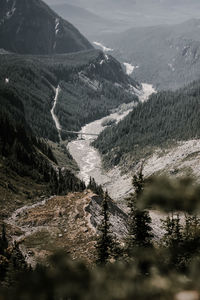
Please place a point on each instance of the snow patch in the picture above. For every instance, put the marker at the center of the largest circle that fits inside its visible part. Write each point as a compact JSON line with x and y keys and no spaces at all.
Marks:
{"x":7,"y":80}
{"x":143,"y":94}
{"x":11,"y":12}
{"x":106,"y":58}
{"x":57,"y":23}
{"x":3,"y":51}
{"x":171,"y":67}
{"x":105,"y":49}
{"x":130,"y":68}
{"x":57,"y":29}
{"x":148,"y":90}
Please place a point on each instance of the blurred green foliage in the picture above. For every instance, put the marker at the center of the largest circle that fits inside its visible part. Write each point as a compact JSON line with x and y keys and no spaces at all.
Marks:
{"x":65,"y":279}
{"x":168,"y":270}
{"x":169,"y":195}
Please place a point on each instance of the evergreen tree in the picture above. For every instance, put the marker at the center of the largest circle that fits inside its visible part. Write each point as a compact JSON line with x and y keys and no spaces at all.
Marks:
{"x":93,"y":186}
{"x":16,"y":266}
{"x":105,"y":242}
{"x":173,"y":240}
{"x":139,"y":231}
{"x":191,"y":239}
{"x":3,"y":240}
{"x":168,"y":226}
{"x":3,"y":254}
{"x":173,"y":235}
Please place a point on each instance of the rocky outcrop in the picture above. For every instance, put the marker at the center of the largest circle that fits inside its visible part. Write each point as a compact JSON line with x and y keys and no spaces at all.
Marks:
{"x":118,"y":218}
{"x":110,"y":69}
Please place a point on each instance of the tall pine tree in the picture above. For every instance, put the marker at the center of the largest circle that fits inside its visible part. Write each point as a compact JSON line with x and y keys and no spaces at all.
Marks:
{"x":139,"y":231}
{"x":16,"y":266}
{"x":3,"y":240}
{"x":105,"y":242}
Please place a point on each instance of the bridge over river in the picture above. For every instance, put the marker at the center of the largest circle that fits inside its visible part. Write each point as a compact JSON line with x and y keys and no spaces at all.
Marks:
{"x":80,"y":133}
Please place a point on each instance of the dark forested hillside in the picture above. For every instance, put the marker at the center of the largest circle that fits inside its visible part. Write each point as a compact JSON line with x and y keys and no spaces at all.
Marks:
{"x":91,"y":83}
{"x":28,"y":167}
{"x":166,"y":117}
{"x":86,"y":79}
{"x":17,"y":139}
{"x":30,"y":80}
{"x":31,"y":27}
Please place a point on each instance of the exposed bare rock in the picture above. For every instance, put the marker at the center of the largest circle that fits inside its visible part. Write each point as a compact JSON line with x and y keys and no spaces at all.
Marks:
{"x":118,"y":218}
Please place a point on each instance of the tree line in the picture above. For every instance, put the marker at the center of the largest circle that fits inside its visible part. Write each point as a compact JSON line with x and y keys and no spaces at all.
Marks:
{"x":166,"y":118}
{"x":27,"y":154}
{"x":33,"y":79}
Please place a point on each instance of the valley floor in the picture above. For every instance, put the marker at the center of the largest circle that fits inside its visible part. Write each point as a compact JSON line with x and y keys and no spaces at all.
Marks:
{"x":52,"y":224}
{"x":89,"y":160}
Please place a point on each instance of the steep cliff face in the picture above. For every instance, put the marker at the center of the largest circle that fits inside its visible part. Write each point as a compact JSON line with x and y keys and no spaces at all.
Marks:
{"x":31,"y":27}
{"x":107,"y":67}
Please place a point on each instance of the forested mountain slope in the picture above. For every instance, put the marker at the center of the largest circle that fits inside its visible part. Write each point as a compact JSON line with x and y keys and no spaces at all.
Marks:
{"x":166,"y":118}
{"x":168,"y":56}
{"x":87,"y":80}
{"x":31,"y":27}
{"x":91,"y":83}
{"x":28,"y":167}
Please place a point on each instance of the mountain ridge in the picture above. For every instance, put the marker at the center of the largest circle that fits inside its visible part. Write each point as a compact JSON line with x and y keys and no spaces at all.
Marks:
{"x":31,"y":27}
{"x":167,"y":56}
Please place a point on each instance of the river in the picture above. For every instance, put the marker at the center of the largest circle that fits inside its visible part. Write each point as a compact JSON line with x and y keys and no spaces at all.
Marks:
{"x":89,"y":159}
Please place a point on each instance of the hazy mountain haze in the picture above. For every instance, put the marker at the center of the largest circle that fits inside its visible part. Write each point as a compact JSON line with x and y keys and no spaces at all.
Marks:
{"x":120,"y":15}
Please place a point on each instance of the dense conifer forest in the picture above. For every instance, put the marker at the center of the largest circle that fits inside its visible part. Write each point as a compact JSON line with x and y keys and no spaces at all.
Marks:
{"x":27,"y":92}
{"x":34,"y":79}
{"x":166,"y":117}
{"x":27,"y":155}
